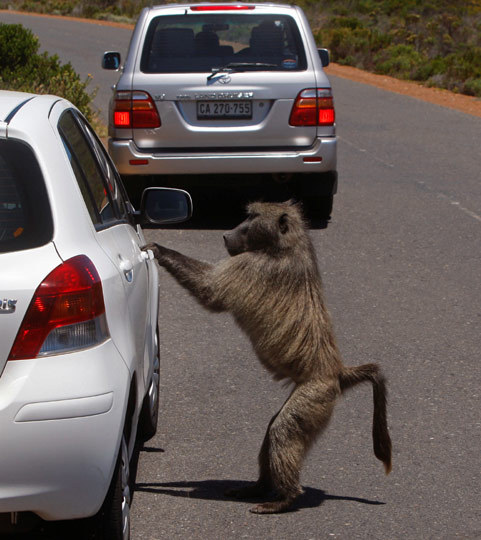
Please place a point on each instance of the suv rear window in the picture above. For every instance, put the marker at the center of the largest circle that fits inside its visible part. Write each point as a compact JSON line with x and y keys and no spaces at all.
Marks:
{"x":25,"y":216}
{"x":198,"y":43}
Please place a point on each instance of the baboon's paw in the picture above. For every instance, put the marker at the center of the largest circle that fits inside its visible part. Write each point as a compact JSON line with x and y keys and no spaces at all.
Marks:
{"x":249,"y":492}
{"x":274,"y":507}
{"x":153,"y":246}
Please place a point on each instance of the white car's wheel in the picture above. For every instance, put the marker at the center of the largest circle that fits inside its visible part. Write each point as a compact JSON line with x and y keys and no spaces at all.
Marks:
{"x":147,"y":426}
{"x":115,"y":512}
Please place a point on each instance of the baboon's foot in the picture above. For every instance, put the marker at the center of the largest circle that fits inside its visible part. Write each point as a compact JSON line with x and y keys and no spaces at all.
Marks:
{"x":282,"y":503}
{"x":273,"y":507}
{"x":255,"y":491}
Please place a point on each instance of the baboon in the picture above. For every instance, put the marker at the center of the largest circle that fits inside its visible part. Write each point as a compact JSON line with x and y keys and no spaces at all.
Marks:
{"x":272,"y":286}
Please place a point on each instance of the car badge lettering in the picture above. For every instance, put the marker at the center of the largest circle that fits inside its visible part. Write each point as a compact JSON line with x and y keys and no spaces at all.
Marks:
{"x":7,"y":306}
{"x":225,"y":95}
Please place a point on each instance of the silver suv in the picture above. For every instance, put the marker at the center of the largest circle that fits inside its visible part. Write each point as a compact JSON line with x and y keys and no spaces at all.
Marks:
{"x":228,"y":93}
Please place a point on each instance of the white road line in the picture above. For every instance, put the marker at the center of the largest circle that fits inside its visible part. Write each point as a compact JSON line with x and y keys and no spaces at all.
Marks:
{"x":440,"y":195}
{"x":458,"y":205}
{"x":359,"y":149}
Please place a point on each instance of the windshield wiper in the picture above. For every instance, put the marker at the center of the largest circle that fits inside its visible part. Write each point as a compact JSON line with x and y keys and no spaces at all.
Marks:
{"x":240,"y":66}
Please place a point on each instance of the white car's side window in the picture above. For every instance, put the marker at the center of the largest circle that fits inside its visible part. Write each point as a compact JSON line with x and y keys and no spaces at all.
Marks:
{"x":111,"y":176}
{"x":98,"y":193}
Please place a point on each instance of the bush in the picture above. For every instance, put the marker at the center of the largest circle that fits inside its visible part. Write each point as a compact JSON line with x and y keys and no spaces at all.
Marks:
{"x":17,"y":46}
{"x":349,"y":42}
{"x":472,"y":87}
{"x":23,"y":69}
{"x":402,"y":61}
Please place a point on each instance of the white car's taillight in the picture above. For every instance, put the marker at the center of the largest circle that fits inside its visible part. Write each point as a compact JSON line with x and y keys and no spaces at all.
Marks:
{"x":135,"y":110}
{"x":67,"y":312}
{"x":313,"y":107}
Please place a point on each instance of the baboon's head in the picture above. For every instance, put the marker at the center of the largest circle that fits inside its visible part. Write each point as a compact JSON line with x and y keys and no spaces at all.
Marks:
{"x":270,"y":227}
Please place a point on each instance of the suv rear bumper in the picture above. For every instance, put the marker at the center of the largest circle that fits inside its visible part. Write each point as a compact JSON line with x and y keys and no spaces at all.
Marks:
{"x":320,"y":157}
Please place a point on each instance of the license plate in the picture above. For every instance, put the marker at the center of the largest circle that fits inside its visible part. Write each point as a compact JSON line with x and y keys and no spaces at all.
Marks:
{"x":223,"y":110}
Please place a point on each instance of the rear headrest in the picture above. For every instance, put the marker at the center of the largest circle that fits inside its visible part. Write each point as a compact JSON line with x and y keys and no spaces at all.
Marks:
{"x":173,"y":42}
{"x":267,"y":38}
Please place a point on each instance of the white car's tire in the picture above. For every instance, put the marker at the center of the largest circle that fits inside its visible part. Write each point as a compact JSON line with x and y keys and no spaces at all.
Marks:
{"x":149,"y":414}
{"x":114,"y":516}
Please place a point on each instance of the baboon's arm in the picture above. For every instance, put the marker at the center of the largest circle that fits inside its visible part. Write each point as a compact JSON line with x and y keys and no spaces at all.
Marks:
{"x":192,"y":274}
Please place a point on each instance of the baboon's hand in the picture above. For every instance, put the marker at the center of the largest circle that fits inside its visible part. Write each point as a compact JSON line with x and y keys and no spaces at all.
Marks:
{"x":156,"y":249}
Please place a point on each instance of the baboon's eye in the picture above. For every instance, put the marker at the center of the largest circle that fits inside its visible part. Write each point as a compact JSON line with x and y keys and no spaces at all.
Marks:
{"x":283,"y":223}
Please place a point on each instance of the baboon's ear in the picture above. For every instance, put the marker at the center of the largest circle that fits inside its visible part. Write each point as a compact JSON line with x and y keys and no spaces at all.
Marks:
{"x":283,"y":223}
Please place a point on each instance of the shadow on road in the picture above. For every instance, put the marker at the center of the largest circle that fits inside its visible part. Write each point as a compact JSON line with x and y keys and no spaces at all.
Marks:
{"x":216,"y":209}
{"x":215,"y":490}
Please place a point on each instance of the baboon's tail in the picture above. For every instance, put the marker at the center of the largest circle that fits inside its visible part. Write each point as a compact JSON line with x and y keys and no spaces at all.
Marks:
{"x":349,"y":377}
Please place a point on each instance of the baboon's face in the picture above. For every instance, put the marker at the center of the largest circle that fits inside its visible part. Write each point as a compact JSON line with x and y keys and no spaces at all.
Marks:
{"x":236,"y":239}
{"x":261,"y":230}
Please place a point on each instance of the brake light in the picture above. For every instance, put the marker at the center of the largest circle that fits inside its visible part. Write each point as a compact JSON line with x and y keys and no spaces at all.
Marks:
{"x":313,"y":107}
{"x":221,"y":7}
{"x":135,"y":109}
{"x":67,"y":312}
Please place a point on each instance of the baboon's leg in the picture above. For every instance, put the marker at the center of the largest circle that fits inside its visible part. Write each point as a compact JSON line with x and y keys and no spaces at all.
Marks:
{"x":264,"y":483}
{"x":304,"y":415}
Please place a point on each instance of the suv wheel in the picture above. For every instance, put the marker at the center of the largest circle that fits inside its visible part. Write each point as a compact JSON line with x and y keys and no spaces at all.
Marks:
{"x":320,"y":207}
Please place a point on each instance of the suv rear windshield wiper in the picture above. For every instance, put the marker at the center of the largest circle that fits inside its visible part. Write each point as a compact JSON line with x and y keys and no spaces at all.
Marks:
{"x":240,"y":66}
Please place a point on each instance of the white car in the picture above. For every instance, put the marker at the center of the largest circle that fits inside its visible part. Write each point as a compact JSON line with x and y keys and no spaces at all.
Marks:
{"x":79,"y":364}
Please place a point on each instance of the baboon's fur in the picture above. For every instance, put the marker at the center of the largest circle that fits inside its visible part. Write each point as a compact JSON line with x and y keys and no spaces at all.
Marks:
{"x":272,"y":287}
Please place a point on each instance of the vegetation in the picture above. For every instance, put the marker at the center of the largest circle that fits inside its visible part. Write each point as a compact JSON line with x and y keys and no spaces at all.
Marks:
{"x":23,"y":69}
{"x":436,"y":42}
{"x":112,"y":10}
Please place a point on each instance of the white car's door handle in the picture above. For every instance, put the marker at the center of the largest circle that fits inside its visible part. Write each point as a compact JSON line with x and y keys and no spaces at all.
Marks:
{"x":127,"y":268}
{"x":147,"y":255}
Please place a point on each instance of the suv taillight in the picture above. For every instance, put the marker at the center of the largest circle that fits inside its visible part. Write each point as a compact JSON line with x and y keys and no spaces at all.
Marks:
{"x":67,"y":312}
{"x":313,"y":107}
{"x":135,"y":109}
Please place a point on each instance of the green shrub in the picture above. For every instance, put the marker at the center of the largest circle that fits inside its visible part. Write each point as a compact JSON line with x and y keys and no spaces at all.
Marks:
{"x":23,"y":69}
{"x":472,"y":87}
{"x":353,"y":44}
{"x":17,"y":46}
{"x":399,"y":60}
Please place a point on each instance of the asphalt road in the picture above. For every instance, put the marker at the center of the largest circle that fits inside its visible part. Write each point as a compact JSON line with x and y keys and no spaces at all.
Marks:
{"x":401,"y":264}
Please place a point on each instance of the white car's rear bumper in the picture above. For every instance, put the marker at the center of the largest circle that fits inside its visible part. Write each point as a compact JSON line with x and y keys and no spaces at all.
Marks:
{"x":61,"y":419}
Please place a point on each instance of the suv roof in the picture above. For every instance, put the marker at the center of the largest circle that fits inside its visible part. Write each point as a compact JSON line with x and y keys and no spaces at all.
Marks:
{"x":226,"y":5}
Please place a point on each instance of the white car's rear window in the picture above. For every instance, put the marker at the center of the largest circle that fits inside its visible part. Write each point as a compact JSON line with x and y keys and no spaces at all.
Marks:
{"x":25,"y":215}
{"x":201,"y":42}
